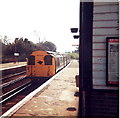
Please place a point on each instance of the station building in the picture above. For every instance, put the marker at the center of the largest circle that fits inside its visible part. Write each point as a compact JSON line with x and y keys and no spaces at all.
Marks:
{"x":99,"y":59}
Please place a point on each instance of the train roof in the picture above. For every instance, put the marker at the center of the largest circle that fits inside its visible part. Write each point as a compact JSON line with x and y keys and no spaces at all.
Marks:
{"x":54,"y":53}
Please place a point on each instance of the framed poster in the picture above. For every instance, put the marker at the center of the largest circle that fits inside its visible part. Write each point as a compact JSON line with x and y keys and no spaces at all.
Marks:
{"x":112,"y":61}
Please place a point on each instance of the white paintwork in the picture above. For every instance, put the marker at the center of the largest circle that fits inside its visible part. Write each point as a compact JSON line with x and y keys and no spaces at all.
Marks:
{"x":105,"y":25}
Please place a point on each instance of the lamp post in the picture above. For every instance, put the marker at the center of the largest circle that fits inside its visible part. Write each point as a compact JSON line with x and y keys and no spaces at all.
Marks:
{"x":15,"y":51}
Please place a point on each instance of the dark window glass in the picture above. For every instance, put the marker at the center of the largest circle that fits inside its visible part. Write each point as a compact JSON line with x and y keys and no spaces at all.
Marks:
{"x":48,"y":60}
{"x":31,"y":60}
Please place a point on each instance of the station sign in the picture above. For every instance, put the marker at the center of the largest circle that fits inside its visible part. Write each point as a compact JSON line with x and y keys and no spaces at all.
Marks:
{"x":112,"y":61}
{"x":16,"y":54}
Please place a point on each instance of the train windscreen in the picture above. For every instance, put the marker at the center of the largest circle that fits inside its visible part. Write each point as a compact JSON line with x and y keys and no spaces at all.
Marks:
{"x":48,"y":60}
{"x":31,"y":60}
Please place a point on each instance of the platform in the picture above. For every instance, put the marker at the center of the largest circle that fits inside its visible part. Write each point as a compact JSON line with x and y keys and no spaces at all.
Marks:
{"x":11,"y":65}
{"x":56,"y":99}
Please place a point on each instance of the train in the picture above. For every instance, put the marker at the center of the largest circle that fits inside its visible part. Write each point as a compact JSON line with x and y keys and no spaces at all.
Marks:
{"x":45,"y":64}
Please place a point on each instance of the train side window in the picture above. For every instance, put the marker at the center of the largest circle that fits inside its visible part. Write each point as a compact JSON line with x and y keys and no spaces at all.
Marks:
{"x":48,"y":60}
{"x":31,"y":60}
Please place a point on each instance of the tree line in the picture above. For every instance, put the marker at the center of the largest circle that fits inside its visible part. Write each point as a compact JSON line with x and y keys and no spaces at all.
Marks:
{"x":23,"y":47}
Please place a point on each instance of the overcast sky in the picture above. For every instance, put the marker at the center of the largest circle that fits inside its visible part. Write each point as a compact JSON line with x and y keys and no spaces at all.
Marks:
{"x":50,"y":20}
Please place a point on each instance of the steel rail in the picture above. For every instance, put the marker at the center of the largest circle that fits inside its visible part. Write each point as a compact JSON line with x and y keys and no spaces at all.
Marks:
{"x":4,"y":78}
{"x":10,"y":92}
{"x":12,"y":82}
{"x":7,"y":68}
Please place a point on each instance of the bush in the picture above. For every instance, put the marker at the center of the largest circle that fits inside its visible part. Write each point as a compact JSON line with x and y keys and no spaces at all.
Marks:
{"x":74,"y":55}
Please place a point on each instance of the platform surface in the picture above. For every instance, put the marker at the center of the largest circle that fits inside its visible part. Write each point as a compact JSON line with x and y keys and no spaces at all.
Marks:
{"x":12,"y":64}
{"x":56,"y":99}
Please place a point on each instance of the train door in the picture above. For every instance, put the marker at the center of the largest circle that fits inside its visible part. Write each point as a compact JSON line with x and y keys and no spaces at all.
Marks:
{"x":31,"y":65}
{"x":57,"y":63}
{"x":49,"y":65}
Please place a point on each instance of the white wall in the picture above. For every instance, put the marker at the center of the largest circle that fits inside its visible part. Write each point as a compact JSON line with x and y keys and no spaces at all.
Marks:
{"x":105,"y":24}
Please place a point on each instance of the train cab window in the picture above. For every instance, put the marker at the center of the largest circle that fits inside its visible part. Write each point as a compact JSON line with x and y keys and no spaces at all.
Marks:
{"x":31,"y":60}
{"x":48,"y":60}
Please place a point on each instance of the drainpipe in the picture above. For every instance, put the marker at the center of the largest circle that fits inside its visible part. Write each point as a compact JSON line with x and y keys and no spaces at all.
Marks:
{"x":85,"y":59}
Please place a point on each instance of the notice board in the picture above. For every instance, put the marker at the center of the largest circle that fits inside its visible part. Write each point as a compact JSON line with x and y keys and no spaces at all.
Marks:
{"x":112,"y":60}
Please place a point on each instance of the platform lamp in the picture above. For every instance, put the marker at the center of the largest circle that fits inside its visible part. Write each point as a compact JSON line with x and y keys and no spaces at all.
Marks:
{"x":74,"y":30}
{"x":15,"y":54}
{"x":76,"y":36}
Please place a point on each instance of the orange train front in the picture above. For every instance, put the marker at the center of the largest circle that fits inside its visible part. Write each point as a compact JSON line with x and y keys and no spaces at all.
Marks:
{"x":45,"y":63}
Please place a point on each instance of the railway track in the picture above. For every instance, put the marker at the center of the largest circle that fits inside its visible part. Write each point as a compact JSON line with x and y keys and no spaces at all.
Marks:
{"x":10,"y":86}
{"x":12,"y":82}
{"x":11,"y":71}
{"x":14,"y":97}
{"x":14,"y":88}
{"x":9,"y":77}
